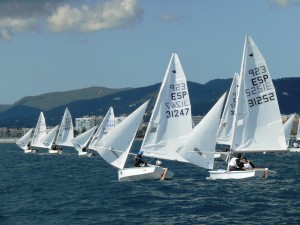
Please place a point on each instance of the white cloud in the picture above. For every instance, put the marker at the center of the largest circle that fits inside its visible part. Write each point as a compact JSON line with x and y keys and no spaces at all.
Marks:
{"x":60,"y":15}
{"x":283,"y":3}
{"x":167,"y":17}
{"x":113,"y":14}
{"x":9,"y":25}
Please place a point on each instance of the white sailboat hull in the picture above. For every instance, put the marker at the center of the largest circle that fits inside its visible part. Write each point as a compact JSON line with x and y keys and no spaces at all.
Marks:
{"x":294,"y":149}
{"x":81,"y":153}
{"x":144,"y":173}
{"x":228,"y":175}
{"x":51,"y":151}
{"x":29,"y":151}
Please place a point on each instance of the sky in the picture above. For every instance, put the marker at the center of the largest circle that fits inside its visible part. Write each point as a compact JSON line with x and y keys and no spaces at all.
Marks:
{"x":58,"y":45}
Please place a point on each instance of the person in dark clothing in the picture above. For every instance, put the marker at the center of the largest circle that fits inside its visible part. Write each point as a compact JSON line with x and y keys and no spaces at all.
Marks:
{"x":235,"y":163}
{"x":138,"y":161}
{"x":248,"y":165}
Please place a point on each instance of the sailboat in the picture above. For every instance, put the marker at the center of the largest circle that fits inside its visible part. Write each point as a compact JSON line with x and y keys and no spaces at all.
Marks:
{"x":64,"y":135}
{"x":224,"y":133}
{"x":257,"y":124}
{"x":80,"y":142}
{"x":24,"y":142}
{"x":171,"y":119}
{"x":287,"y":126}
{"x":86,"y":141}
{"x":199,"y":147}
{"x":107,"y":124}
{"x":48,"y":140}
{"x":115,"y":146}
{"x":40,"y":132}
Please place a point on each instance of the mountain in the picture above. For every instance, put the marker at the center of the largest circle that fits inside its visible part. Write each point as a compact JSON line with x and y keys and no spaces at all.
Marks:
{"x":124,"y":101}
{"x":51,"y":100}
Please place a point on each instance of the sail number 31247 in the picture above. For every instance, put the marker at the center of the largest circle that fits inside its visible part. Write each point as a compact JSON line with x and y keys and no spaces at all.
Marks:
{"x":177,"y":112}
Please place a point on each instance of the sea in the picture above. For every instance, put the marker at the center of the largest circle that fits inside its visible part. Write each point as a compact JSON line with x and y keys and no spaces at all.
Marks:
{"x":67,"y":189}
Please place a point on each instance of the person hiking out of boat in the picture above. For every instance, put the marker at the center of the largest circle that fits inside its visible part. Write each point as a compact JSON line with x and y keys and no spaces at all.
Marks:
{"x":138,"y":161}
{"x":235,"y":163}
{"x":296,"y":145}
{"x":248,"y":165}
{"x":29,"y":147}
{"x":158,"y":163}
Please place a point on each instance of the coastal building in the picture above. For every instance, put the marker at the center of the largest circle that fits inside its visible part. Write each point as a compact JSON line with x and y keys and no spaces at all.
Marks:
{"x":87,"y":122}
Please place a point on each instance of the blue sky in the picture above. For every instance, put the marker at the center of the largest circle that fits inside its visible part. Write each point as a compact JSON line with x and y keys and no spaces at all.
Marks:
{"x":59,"y":45}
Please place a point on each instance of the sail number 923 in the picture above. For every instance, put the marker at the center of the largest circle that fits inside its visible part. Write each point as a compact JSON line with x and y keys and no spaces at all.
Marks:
{"x":177,"y":112}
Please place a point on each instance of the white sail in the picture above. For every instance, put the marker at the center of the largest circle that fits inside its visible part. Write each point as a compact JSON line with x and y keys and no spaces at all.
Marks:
{"x":25,"y":140}
{"x":257,"y":123}
{"x":298,"y":130}
{"x":287,"y":126}
{"x":49,"y":138}
{"x":200,"y":145}
{"x":66,"y":132}
{"x":40,"y":132}
{"x":115,"y":146}
{"x":82,"y":140}
{"x":107,"y":124}
{"x":171,"y":119}
{"x":224,"y":134}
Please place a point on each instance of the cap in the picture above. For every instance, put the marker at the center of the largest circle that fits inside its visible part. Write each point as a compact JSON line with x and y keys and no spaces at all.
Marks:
{"x":140,"y":152}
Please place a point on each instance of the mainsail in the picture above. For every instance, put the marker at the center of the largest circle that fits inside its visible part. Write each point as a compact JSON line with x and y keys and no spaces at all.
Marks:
{"x":171,"y":119}
{"x":257,"y":121}
{"x":66,"y":132}
{"x":107,"y":124}
{"x":224,"y":134}
{"x":40,"y":132}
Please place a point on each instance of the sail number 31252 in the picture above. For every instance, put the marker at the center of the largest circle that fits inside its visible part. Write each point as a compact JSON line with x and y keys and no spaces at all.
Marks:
{"x":177,"y":112}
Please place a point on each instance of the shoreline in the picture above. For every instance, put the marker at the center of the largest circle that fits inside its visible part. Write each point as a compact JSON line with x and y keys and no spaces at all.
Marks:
{"x":8,"y":140}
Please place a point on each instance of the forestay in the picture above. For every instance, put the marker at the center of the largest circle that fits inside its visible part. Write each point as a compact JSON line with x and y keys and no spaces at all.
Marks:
{"x":114,"y":147}
{"x":40,"y":132}
{"x":66,"y":132}
{"x":258,"y":124}
{"x":171,"y":119}
{"x":224,"y":134}
{"x":200,"y":145}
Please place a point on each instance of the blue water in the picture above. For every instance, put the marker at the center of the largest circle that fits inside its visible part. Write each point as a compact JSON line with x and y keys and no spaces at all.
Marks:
{"x":66,"y":189}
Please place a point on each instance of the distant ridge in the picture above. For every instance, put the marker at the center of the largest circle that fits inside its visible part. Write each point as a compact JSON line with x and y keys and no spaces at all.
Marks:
{"x":51,"y":100}
{"x":97,"y":100}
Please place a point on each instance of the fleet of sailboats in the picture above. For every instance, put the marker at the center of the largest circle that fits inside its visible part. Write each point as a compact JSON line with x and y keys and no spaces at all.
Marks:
{"x":247,"y":119}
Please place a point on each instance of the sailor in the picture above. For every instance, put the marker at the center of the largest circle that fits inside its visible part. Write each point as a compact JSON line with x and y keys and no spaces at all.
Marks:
{"x":158,"y":163}
{"x":138,"y":161}
{"x":235,"y":163}
{"x":248,"y":165}
{"x":296,"y":145}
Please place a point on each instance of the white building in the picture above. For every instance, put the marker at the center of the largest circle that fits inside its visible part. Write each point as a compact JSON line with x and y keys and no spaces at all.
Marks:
{"x":87,"y":122}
